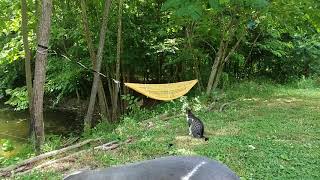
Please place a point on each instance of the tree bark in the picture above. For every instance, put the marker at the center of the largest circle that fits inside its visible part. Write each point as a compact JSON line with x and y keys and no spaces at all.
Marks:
{"x":101,"y":92}
{"x":40,"y":73}
{"x":224,"y":60}
{"x":220,"y":66}
{"x":27,"y":64}
{"x":219,"y":63}
{"x":88,"y":118}
{"x":233,"y":49}
{"x":38,"y":15}
{"x":217,"y":76}
{"x":214,"y":68}
{"x":116,"y":89}
{"x":189,"y":31}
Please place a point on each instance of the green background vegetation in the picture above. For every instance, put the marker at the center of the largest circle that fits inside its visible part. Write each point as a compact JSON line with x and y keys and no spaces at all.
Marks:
{"x":269,"y":131}
{"x":156,"y":47}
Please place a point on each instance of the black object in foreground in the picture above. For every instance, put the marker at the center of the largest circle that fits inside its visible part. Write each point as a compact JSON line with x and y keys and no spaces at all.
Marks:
{"x":165,"y":168}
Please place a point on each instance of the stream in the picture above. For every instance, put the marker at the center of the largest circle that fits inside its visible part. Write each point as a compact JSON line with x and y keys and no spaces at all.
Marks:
{"x":14,"y":127}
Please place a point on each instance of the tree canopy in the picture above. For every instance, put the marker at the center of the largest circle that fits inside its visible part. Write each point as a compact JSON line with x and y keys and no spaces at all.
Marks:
{"x":162,"y":42}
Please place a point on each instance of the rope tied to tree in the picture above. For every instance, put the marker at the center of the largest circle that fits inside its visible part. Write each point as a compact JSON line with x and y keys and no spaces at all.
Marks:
{"x":44,"y":50}
{"x":162,"y":92}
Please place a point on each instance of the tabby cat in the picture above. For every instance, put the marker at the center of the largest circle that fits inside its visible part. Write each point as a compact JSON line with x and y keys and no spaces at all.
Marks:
{"x":196,"y":127}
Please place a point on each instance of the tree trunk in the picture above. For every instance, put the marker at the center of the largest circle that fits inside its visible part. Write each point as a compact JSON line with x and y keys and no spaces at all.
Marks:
{"x":110,"y":82}
{"x":40,"y":73}
{"x":217,"y":75}
{"x":215,"y":66}
{"x":88,"y":118}
{"x":220,"y":66}
{"x":123,"y":79}
{"x":225,"y":59}
{"x":37,"y":14}
{"x":24,"y":28}
{"x":189,"y":31}
{"x":101,"y":92}
{"x":116,"y":89}
{"x":219,"y":63}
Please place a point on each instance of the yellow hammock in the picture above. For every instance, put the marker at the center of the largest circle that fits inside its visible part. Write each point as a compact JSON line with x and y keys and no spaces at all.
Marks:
{"x":164,"y":92}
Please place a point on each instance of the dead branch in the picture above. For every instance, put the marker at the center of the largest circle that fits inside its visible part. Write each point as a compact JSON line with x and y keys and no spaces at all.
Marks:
{"x":108,"y":146}
{"x":224,"y":105}
{"x":8,"y":169}
{"x":211,"y":106}
{"x":105,"y":147}
{"x":70,"y":141}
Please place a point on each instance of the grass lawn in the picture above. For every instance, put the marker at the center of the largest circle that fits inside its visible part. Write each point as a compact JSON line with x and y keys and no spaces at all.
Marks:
{"x":268,"y":132}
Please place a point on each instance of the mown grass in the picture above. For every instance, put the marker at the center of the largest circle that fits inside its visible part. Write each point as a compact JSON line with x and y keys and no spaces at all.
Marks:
{"x":267,"y":132}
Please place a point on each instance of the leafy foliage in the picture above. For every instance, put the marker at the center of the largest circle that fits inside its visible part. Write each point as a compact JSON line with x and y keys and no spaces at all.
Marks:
{"x":18,"y":98}
{"x":7,"y":146}
{"x":53,"y":142}
{"x":168,"y":41}
{"x":133,"y":103}
{"x":188,"y":9}
{"x":65,"y":78}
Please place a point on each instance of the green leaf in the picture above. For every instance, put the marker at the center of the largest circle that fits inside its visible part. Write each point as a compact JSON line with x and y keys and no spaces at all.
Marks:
{"x":7,"y":146}
{"x":214,"y":4}
{"x":260,"y":4}
{"x":171,"y":4}
{"x":224,"y":1}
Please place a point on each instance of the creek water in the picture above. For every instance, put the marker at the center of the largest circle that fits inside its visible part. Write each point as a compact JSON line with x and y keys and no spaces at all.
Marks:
{"x":14,"y":127}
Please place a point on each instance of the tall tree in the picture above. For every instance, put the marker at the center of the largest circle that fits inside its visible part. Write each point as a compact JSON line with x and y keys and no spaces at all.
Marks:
{"x":118,"y":62}
{"x":230,"y":21}
{"x":101,"y":93}
{"x":88,"y":118}
{"x":221,"y":58}
{"x":37,"y":14}
{"x":24,"y":28}
{"x":233,"y":20}
{"x":40,"y":72}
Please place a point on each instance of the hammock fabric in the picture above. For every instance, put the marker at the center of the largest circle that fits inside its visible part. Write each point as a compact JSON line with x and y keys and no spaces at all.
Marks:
{"x":164,"y":92}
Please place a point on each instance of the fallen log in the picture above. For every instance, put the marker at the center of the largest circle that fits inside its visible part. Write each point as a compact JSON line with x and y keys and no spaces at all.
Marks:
{"x":8,"y":169}
{"x":108,"y":146}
